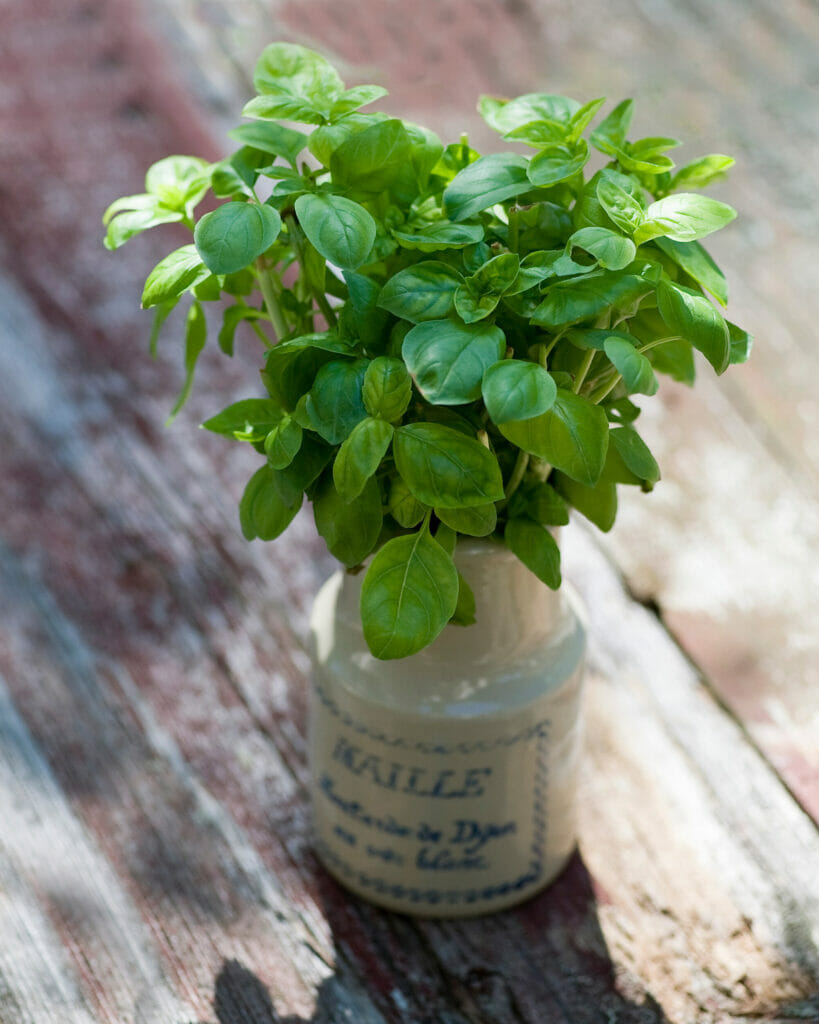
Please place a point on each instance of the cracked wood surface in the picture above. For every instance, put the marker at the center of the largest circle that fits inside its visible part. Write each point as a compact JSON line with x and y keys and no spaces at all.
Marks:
{"x":155,"y":864}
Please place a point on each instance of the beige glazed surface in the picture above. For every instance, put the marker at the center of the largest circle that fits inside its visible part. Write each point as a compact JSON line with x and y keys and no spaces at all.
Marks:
{"x":444,"y":783}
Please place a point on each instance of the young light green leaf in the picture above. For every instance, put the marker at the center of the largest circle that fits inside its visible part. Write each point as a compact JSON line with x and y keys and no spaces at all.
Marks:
{"x":635,"y":453}
{"x":540,"y":134}
{"x":741,"y":343}
{"x":378,"y":159}
{"x":173,"y":275}
{"x":409,"y":594}
{"x":340,"y":229}
{"x":335,"y":404}
{"x":350,"y":528}
{"x":438,"y":235}
{"x":536,"y":548}
{"x":487,"y":181}
{"x":621,"y":204}
{"x":505,"y":115}
{"x":233,"y":235}
{"x":283,"y":443}
{"x":612,"y":251}
{"x":697,"y":263}
{"x":684,"y":217}
{"x":360,"y":456}
{"x":262,"y":513}
{"x":294,"y":72}
{"x":179,"y":182}
{"x":573,"y":436}
{"x":692,"y":316}
{"x":424,"y":291}
{"x":271,"y":138}
{"x":598,"y":503}
{"x":445,"y":468}
{"x":387,"y":388}
{"x":403,"y":506}
{"x":478,"y":521}
{"x":196,"y":330}
{"x":479,"y":294}
{"x":583,"y":117}
{"x":352,"y":99}
{"x":133,"y":222}
{"x":558,"y":163}
{"x":447,"y":359}
{"x":248,"y":420}
{"x":702,"y":172}
{"x":633,"y":366}
{"x":646,"y":156}
{"x":514,"y":389}
{"x":610,"y":135}
{"x":326,"y":139}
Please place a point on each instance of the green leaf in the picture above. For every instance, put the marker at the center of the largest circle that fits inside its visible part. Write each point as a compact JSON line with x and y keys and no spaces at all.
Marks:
{"x":283,"y":443}
{"x":179,"y":182}
{"x":505,"y":115}
{"x":439,"y":235}
{"x":358,"y":96}
{"x":445,"y":468}
{"x":303,"y":471}
{"x":161,"y":314}
{"x":702,"y":172}
{"x":541,"y":503}
{"x":125,"y":225}
{"x":697,"y":263}
{"x":335,"y":404}
{"x":465,"y":609}
{"x":635,"y":453}
{"x":378,"y":159}
{"x":598,"y":504}
{"x":574,"y":301}
{"x":403,"y":506}
{"x":271,"y":138}
{"x":368,"y":323}
{"x":583,"y":117}
{"x":387,"y":388}
{"x":684,"y":217}
{"x":646,"y":156}
{"x":514,"y":389}
{"x":612,"y":251}
{"x":633,"y":366}
{"x":173,"y":275}
{"x":248,"y":420}
{"x":340,"y":229}
{"x":262,"y":513}
{"x":558,"y":163}
{"x":610,"y":134}
{"x":350,"y":528}
{"x":196,"y":330}
{"x":409,"y":594}
{"x":539,"y":133}
{"x":425,"y":291}
{"x":619,"y":201}
{"x":298,"y":74}
{"x":741,"y":343}
{"x":360,"y":456}
{"x":693,"y":317}
{"x":233,"y":316}
{"x":536,"y":548}
{"x":479,"y":294}
{"x":233,"y":235}
{"x":487,"y":181}
{"x":447,"y":359}
{"x":478,"y":521}
{"x":324,"y":140}
{"x":572,"y":436}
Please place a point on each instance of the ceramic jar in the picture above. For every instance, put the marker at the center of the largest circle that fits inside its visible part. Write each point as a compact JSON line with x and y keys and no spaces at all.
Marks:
{"x":444,"y":784}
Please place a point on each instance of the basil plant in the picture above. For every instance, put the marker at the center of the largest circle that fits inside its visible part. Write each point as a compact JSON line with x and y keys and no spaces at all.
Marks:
{"x":450,"y":341}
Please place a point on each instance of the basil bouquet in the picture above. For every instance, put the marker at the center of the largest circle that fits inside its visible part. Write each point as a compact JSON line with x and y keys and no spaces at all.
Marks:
{"x":450,"y":340}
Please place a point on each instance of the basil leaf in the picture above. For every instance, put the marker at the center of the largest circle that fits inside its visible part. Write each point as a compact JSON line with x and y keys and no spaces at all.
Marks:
{"x":702,"y":172}
{"x":335,"y":404}
{"x":693,"y":317}
{"x":298,"y":74}
{"x":283,"y":443}
{"x":487,"y":181}
{"x":425,"y":291}
{"x":233,"y":316}
{"x":633,"y":366}
{"x":341,"y":230}
{"x":173,"y":275}
{"x":478,"y":521}
{"x":741,"y":343}
{"x":635,"y":453}
{"x":196,"y":330}
{"x":505,"y":115}
{"x":303,"y":471}
{"x":610,"y":134}
{"x":378,"y":159}
{"x":465,"y":609}
{"x":409,"y":594}
{"x":514,"y":389}
{"x":350,"y":528}
{"x":536,"y":548}
{"x":233,"y":235}
{"x":447,"y":360}
{"x":684,"y":217}
{"x":612,"y":251}
{"x":445,"y":468}
{"x":697,"y":263}
{"x":358,"y":96}
{"x":326,"y":139}
{"x":387,"y":388}
{"x":598,"y":503}
{"x":558,"y":163}
{"x":271,"y":138}
{"x":262,"y":513}
{"x":574,"y":301}
{"x":403,"y":506}
{"x":539,"y":133}
{"x":541,"y":503}
{"x":625,"y":210}
{"x":439,"y":235}
{"x":479,"y":294}
{"x":572,"y":436}
{"x":360,"y":456}
{"x":125,"y":225}
{"x":248,"y":420}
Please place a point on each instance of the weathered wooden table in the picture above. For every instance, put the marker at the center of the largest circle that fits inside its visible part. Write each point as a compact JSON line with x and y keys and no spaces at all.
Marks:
{"x":155,"y":863}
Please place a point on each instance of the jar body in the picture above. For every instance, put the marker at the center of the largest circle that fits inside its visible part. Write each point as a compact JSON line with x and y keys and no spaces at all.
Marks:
{"x":443,"y":784}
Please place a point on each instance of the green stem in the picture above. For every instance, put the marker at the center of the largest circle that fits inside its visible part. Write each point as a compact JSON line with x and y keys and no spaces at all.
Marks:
{"x":596,"y":397}
{"x":546,"y":350}
{"x":658,"y":341}
{"x":271,"y":301}
{"x":584,"y":369}
{"x":517,"y":474}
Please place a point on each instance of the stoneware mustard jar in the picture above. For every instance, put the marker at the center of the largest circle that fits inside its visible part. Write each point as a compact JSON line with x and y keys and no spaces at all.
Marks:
{"x":444,"y":783}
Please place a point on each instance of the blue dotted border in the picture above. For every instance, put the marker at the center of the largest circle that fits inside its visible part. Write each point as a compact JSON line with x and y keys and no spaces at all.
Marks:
{"x":436,"y":897}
